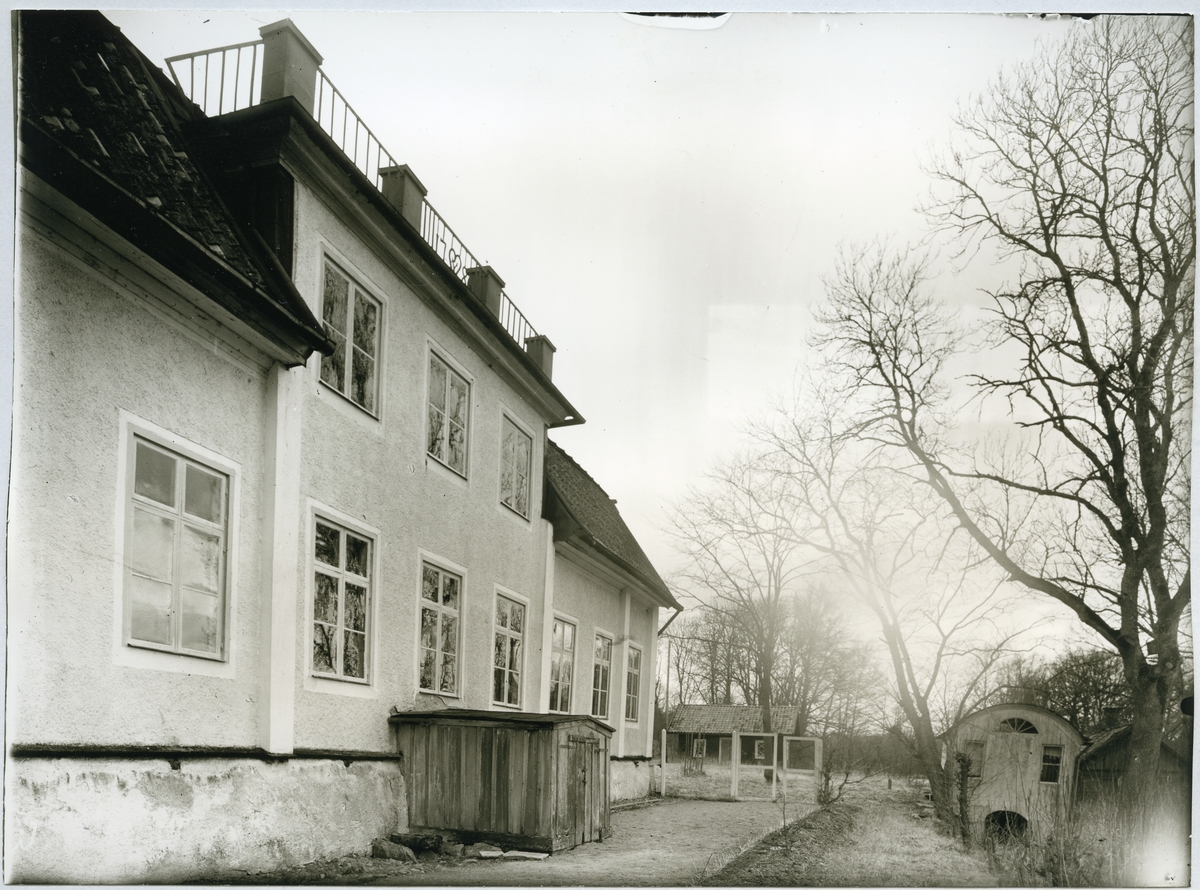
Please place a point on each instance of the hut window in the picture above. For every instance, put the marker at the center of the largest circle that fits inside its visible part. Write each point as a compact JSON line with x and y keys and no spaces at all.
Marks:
{"x":760,"y":748}
{"x":1051,"y":763}
{"x":1017,"y":724}
{"x":441,"y":592}
{"x":562,"y":666}
{"x":699,"y":748}
{"x":633,"y":684}
{"x":506,"y":662}
{"x":341,"y":601}
{"x":601,"y":672}
{"x":974,"y":754}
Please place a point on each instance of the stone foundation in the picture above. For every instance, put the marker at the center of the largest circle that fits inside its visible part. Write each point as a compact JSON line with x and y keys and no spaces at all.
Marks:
{"x":123,"y":821}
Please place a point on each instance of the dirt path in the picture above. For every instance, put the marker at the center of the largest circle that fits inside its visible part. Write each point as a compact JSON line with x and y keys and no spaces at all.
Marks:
{"x":876,"y":838}
{"x":669,"y":843}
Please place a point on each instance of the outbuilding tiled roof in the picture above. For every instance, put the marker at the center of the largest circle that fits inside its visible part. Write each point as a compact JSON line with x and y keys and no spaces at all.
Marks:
{"x":597,"y":517}
{"x":103,"y":125}
{"x":726,"y":719}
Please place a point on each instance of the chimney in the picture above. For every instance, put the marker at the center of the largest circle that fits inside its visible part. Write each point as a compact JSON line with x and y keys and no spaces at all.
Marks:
{"x":486,"y":285}
{"x":541,"y":350}
{"x":404,"y":191}
{"x":290,"y":64}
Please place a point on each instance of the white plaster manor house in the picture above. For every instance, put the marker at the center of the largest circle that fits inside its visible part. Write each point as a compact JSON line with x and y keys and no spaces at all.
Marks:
{"x":280,"y":471}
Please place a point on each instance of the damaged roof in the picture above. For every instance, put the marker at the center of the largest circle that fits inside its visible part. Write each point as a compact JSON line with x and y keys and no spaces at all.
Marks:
{"x":580,"y":508}
{"x":103,"y":126}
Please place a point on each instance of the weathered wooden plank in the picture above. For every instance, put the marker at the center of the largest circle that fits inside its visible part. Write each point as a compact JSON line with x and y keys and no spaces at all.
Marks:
{"x":487,"y":780}
{"x":503,"y":779}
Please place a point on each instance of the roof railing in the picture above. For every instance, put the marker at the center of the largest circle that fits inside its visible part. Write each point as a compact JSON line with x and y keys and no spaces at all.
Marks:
{"x":228,"y":79}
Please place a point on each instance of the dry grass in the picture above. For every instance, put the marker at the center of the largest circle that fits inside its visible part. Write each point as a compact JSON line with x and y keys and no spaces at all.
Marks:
{"x":873,"y":837}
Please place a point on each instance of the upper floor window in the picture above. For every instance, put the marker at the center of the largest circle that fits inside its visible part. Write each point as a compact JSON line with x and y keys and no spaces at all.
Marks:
{"x":341,"y":601}
{"x":175,"y":553}
{"x":1051,"y":762}
{"x":351,"y":319}
{"x":516,"y":452}
{"x":507,"y":655}
{"x":440,"y":609}
{"x":633,"y":684}
{"x":974,"y":755}
{"x":601,"y":674}
{"x":562,"y":666}
{"x":449,"y":413}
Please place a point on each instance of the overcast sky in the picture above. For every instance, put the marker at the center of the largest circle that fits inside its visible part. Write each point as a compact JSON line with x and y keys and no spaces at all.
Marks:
{"x":661,"y":202}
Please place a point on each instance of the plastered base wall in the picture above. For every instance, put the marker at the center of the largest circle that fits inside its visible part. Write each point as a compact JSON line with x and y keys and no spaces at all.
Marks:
{"x":71,"y":821}
{"x":628,"y":779}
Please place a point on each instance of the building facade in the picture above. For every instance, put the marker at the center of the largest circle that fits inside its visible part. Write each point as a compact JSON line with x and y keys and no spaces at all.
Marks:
{"x":277,"y":474}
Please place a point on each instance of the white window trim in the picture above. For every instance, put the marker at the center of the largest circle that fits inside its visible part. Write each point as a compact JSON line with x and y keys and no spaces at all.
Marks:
{"x":326,"y":683}
{"x":612,"y":649}
{"x":1062,"y":757}
{"x":130,"y":426}
{"x":574,"y":622}
{"x":506,"y":414}
{"x":328,"y":255}
{"x":424,"y":556}
{"x":497,"y":592}
{"x":634,"y":721}
{"x":432,"y":348}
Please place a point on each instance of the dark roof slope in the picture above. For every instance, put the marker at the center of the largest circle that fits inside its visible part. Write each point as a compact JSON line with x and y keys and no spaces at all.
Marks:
{"x":103,"y":125}
{"x":594,"y":515}
{"x":725,"y":719}
{"x":1118,"y":737}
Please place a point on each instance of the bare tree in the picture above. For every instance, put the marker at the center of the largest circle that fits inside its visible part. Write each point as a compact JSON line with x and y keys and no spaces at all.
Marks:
{"x":742,"y":558}
{"x":1087,"y":686}
{"x":1078,"y":169}
{"x":887,"y":544}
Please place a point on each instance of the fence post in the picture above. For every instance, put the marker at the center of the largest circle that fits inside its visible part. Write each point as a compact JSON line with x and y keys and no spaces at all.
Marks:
{"x":774,"y":764}
{"x":662,"y":765}
{"x":735,"y":757}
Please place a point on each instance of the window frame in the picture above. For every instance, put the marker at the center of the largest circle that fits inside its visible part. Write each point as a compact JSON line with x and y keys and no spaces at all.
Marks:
{"x":446,"y":568}
{"x":518,"y":600}
{"x":555,"y":650}
{"x":600,"y":635}
{"x":1056,"y":765}
{"x":184,"y":454}
{"x":339,"y":521}
{"x":435,"y":353}
{"x":354,"y":288}
{"x":699,"y":748}
{"x":636,"y":693}
{"x":506,"y":420}
{"x":975,"y":763}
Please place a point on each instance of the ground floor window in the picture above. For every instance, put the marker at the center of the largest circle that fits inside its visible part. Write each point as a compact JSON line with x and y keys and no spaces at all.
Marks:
{"x":341,"y":601}
{"x":507,"y":654}
{"x":562,"y":666}
{"x":601,"y":673}
{"x":633,"y":684}
{"x":175,"y":552}
{"x":699,"y":747}
{"x":441,"y":592}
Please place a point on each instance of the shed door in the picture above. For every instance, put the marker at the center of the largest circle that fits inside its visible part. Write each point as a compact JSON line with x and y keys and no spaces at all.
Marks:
{"x":584,"y":794}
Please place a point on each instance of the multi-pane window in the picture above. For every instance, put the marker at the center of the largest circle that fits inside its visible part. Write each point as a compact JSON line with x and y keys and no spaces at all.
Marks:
{"x":506,"y":653}
{"x":699,"y":748}
{"x":516,"y":451}
{"x":175,"y":553}
{"x":341,"y":601}
{"x":974,"y":755}
{"x":562,"y":666}
{"x":441,"y":593}
{"x":351,"y":320}
{"x":601,"y":672}
{"x":760,"y":749}
{"x":1051,"y":762}
{"x":633,"y":684}
{"x":449,"y":410}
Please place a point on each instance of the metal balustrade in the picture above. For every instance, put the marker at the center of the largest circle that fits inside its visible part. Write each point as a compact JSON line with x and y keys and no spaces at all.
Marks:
{"x":227,"y":79}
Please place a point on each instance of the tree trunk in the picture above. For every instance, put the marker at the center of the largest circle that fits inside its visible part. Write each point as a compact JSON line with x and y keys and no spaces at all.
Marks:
{"x":1145,"y":741}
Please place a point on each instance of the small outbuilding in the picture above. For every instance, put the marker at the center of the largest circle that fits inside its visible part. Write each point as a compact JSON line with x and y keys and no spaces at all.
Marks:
{"x":1021,"y":762}
{"x":531,"y":781}
{"x":705,"y":732}
{"x":1102,"y":764}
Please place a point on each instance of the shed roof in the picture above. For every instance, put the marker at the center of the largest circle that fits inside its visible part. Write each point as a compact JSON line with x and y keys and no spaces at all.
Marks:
{"x":1111,"y":739}
{"x":104,"y":126}
{"x":726,"y":719}
{"x":594,"y":517}
{"x":474,"y":715}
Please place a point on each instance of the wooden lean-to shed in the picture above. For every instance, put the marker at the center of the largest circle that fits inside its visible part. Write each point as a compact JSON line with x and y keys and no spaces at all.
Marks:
{"x":533,"y":781}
